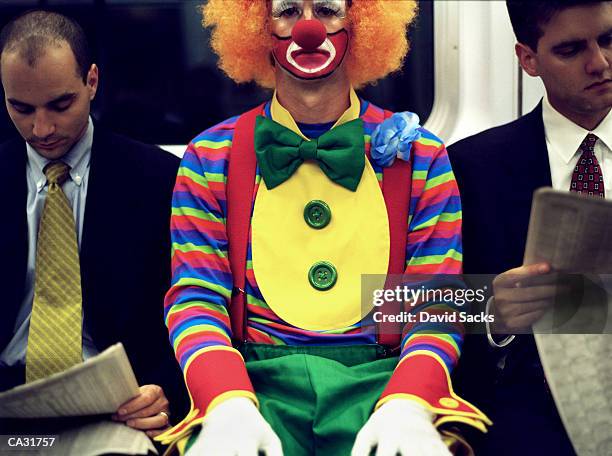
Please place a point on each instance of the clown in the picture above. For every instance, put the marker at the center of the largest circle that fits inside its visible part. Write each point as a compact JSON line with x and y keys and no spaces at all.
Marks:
{"x":276,"y":215}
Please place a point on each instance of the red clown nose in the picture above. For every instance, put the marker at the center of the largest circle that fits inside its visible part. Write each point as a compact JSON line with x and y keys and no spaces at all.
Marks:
{"x":309,"y":34}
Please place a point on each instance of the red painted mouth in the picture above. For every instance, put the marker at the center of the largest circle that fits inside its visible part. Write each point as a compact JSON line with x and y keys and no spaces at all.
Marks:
{"x":311,"y":63}
{"x":310,"y":60}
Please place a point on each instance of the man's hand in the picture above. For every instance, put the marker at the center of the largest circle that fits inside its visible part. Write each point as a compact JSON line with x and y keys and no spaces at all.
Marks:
{"x":403,"y":427}
{"x":523,"y":295}
{"x":148,"y":411}
{"x":235,"y":428}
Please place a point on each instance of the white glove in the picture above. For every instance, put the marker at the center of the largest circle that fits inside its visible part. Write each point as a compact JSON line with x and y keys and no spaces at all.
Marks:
{"x":235,"y":428}
{"x":400,"y":426}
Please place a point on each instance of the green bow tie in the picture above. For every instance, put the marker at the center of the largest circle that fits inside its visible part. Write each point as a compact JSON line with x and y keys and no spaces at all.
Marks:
{"x":340,"y":152}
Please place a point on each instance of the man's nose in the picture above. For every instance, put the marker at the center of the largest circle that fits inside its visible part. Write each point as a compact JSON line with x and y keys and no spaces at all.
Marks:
{"x":43,"y":126}
{"x":599,"y":60}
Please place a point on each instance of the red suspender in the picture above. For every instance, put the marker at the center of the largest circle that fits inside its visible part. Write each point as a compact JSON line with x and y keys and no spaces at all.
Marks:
{"x":397,"y":186}
{"x":240,"y":187}
{"x":397,"y":181}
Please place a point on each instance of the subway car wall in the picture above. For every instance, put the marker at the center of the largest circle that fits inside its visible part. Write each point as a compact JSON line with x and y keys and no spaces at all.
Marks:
{"x":159,"y":80}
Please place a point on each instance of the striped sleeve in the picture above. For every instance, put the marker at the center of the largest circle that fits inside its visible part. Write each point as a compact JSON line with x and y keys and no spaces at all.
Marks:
{"x":196,"y":306}
{"x":429,"y":351}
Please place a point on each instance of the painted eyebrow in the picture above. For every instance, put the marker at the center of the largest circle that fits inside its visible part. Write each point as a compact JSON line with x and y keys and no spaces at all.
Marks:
{"x":283,"y":3}
{"x":328,"y":2}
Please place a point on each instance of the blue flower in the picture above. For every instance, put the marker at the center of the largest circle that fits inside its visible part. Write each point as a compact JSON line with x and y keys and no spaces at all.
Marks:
{"x":394,"y":137}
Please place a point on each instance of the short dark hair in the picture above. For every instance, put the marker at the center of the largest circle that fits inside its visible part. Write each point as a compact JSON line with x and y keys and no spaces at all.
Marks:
{"x":528,"y":16}
{"x":32,"y":32}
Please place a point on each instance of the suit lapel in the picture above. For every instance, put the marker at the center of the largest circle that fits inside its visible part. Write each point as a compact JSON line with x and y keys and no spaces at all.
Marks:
{"x":538,"y":166}
{"x":13,"y":234}
{"x":527,"y":167}
{"x":527,"y":159}
{"x":97,"y":244}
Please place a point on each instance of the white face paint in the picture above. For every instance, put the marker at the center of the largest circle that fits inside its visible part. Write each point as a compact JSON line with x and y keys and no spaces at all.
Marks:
{"x":336,"y":8}
{"x":327,"y":46}
{"x":309,"y":63}
{"x":290,"y":11}
{"x":285,"y":8}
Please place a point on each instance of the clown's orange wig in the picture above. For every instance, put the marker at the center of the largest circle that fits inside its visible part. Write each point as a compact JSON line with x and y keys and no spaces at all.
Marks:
{"x":241,"y":38}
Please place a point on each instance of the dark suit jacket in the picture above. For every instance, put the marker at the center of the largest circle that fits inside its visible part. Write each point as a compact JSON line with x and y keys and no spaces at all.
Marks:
{"x":125,"y":252}
{"x":498,"y":171}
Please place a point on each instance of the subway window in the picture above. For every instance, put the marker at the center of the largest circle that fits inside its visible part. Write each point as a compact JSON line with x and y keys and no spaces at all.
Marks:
{"x":159,"y":82}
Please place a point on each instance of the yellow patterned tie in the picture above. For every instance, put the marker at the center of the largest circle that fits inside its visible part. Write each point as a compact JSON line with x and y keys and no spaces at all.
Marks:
{"x":54,"y":342}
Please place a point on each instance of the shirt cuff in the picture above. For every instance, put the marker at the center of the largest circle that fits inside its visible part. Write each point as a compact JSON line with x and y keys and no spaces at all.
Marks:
{"x":422,"y":376}
{"x":507,"y":340}
{"x":212,"y":375}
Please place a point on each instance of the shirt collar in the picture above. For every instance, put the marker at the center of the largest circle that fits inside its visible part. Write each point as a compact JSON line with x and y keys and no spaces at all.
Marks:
{"x":604,"y":130}
{"x":565,"y":136}
{"x":77,"y":158}
{"x":282,"y":116}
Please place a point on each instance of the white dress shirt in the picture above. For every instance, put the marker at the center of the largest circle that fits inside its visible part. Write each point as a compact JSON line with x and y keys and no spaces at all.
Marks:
{"x":563,"y":137}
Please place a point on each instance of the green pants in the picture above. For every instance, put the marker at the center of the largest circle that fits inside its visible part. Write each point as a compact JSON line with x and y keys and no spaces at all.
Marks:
{"x":317,"y":398}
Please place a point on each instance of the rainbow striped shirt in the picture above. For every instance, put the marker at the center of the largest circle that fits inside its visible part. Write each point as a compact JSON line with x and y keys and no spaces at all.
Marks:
{"x":196,"y":304}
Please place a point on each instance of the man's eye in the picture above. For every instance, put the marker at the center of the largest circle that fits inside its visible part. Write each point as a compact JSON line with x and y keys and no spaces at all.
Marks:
{"x":290,"y":12}
{"x":569,"y":51}
{"x":285,"y":9}
{"x":61,"y":107}
{"x":325,"y":11}
{"x":605,"y":41}
{"x":330,"y":8}
{"x":23,"y":109}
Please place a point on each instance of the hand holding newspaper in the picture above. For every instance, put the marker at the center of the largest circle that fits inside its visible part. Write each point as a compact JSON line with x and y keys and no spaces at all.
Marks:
{"x":97,"y":386}
{"x":573,"y":233}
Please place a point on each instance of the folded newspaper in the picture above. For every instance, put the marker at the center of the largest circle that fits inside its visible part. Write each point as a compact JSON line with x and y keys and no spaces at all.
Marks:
{"x":573,"y":233}
{"x":570,"y":231}
{"x":92,"y":439}
{"x":97,"y":386}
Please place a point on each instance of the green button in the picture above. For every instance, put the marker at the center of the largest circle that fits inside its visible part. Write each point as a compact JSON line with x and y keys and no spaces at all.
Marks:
{"x":317,"y":214}
{"x":322,"y":275}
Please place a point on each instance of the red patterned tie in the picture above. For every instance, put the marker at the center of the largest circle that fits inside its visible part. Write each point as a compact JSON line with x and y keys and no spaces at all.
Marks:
{"x":587,"y":177}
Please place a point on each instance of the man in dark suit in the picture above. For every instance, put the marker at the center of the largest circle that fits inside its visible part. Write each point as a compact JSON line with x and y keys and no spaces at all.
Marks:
{"x":569,"y":45}
{"x":79,"y":202}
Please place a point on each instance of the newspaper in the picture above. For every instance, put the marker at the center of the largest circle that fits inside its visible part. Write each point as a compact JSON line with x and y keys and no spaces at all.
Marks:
{"x":570,"y":231}
{"x":578,"y":368}
{"x":573,"y":234}
{"x":96,"y":386}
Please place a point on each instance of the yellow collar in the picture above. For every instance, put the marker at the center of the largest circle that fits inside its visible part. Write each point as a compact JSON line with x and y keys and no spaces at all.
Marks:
{"x":283,"y":117}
